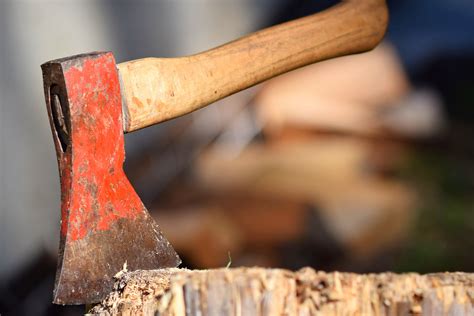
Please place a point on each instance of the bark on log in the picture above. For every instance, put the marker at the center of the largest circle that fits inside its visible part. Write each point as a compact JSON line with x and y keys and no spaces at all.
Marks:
{"x":258,"y":291}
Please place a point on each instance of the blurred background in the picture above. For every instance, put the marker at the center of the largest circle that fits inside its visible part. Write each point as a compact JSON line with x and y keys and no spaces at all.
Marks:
{"x":362,"y":163}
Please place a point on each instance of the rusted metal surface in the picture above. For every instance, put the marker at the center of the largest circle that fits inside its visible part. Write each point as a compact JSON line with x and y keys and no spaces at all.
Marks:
{"x":103,"y":221}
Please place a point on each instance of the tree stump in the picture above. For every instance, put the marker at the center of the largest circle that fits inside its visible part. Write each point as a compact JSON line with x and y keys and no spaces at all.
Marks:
{"x":259,"y":291}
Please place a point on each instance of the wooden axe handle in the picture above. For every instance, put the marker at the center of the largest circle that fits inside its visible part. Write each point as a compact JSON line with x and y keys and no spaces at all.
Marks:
{"x":158,"y":89}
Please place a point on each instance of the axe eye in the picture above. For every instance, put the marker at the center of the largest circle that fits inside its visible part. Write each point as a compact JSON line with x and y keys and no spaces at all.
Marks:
{"x":59,"y":113}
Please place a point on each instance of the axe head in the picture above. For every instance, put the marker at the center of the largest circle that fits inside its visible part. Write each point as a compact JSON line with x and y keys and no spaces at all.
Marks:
{"x":103,"y":221}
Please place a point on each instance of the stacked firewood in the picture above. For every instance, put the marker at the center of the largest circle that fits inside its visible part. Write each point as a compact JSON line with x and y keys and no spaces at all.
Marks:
{"x":306,"y":173}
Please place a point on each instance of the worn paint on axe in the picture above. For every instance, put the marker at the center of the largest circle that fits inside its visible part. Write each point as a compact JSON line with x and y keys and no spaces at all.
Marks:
{"x":104,"y":223}
{"x":98,"y":152}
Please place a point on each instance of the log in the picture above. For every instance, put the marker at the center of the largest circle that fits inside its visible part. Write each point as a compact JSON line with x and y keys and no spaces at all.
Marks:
{"x":259,"y":291}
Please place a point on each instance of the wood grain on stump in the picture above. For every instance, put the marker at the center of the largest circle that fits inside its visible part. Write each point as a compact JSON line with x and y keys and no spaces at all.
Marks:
{"x":258,"y":291}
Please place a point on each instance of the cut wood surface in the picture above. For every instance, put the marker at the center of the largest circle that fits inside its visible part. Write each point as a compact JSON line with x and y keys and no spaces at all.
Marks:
{"x":259,"y":291}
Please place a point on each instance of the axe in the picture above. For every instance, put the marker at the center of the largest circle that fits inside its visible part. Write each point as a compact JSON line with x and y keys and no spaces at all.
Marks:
{"x":92,"y":102}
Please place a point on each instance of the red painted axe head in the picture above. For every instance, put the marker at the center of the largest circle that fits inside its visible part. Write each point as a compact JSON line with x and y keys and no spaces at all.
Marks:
{"x":103,"y":221}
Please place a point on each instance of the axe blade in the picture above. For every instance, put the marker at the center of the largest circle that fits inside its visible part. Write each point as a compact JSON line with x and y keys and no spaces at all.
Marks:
{"x":104,"y":224}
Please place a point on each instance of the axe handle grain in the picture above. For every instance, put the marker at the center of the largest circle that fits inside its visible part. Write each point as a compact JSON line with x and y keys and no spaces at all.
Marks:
{"x":158,"y":89}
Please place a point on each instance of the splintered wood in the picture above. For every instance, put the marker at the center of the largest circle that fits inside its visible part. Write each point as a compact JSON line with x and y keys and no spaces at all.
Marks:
{"x":258,"y":291}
